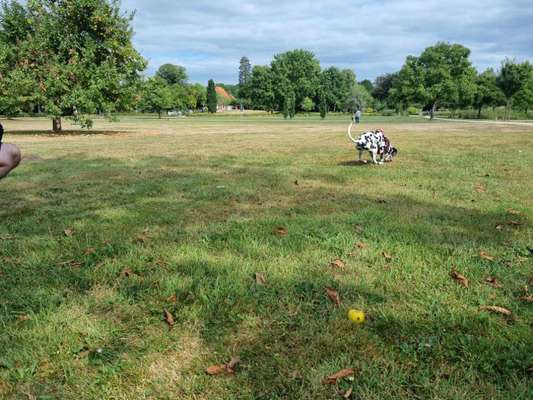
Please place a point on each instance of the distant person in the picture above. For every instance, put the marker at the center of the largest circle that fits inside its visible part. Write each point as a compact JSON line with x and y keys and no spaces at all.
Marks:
{"x":9,"y":156}
{"x":357,"y":116}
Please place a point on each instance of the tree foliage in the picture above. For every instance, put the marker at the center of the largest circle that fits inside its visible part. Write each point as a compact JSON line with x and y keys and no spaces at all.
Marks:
{"x":441,"y":75}
{"x":172,"y":74}
{"x":211,"y":97}
{"x":69,"y":57}
{"x":513,"y":77}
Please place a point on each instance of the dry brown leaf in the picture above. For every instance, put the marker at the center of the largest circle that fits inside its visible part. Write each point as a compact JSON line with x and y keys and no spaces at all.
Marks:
{"x":348,"y":393}
{"x":228,"y":368}
{"x":492,"y":281}
{"x":89,"y":251}
{"x":333,"y":296}
{"x":331,"y":380}
{"x":514,"y":212}
{"x":260,"y":279}
{"x":497,"y":310}
{"x":126,"y":273}
{"x":173,"y":298}
{"x":485,"y":256}
{"x":460,"y":279}
{"x":68,"y":232}
{"x":281,"y":231}
{"x":338,"y":263}
{"x":480,"y":189}
{"x":387,"y":256}
{"x":499,"y":227}
{"x":526,"y":299}
{"x":514,"y":223}
{"x":169,"y":319}
{"x":361,"y":245}
{"x":216,"y":369}
{"x":70,"y":263}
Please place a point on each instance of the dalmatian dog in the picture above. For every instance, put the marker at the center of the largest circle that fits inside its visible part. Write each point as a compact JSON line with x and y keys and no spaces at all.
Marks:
{"x":376,"y":143}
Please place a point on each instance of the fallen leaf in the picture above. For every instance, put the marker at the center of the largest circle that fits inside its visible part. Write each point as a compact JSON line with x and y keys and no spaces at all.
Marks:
{"x":22,"y":318}
{"x":169,"y":319}
{"x":348,"y":393}
{"x":70,"y":263}
{"x":526,"y":299}
{"x":480,"y":189}
{"x":338,"y":264}
{"x":514,"y":223}
{"x":387,"y":256}
{"x":260,"y":279}
{"x":492,"y":281}
{"x":296,"y":182}
{"x":126,"y":273}
{"x":281,"y":231}
{"x":361,"y":245}
{"x":228,"y":368}
{"x":333,"y":296}
{"x":499,"y":227}
{"x":460,"y":279}
{"x":497,"y":310}
{"x":359,"y":228}
{"x":89,"y":251}
{"x":216,"y":369}
{"x":514,"y":212}
{"x":173,"y":298}
{"x":353,"y":255}
{"x":331,"y":380}
{"x":484,"y":255}
{"x":68,"y":232}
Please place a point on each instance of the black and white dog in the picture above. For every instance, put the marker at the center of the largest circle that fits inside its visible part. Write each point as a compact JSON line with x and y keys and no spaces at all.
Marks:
{"x":376,"y":143}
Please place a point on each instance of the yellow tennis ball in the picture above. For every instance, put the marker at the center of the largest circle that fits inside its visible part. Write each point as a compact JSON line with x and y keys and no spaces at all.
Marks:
{"x":356,"y":316}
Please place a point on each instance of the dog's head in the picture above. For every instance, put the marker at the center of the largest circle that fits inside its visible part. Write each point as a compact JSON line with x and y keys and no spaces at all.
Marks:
{"x":391,"y":153}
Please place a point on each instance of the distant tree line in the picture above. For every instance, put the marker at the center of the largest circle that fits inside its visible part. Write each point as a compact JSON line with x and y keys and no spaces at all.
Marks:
{"x":74,"y":58}
{"x":441,"y":77}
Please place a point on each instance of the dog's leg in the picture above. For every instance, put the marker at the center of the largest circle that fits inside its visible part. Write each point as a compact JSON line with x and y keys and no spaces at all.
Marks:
{"x":360,"y":155}
{"x":374,"y":156}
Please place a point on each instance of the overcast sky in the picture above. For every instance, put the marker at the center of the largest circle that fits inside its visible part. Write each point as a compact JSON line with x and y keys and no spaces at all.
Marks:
{"x":371,"y":37}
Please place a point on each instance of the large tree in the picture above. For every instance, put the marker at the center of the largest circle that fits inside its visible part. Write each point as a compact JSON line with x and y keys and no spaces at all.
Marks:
{"x":157,"y":96}
{"x":262,"y":88}
{"x":382,"y":86}
{"x":512,"y":78}
{"x":173,"y":74}
{"x":78,"y":54}
{"x":295,"y":73}
{"x":442,"y":76}
{"x":487,"y":92}
{"x":245,"y":71}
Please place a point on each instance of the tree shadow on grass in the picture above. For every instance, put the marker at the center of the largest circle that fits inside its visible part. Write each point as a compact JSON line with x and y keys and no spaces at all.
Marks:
{"x":64,"y":132}
{"x":221,"y":214}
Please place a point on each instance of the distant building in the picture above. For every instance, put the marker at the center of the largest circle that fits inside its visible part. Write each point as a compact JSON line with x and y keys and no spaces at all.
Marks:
{"x":224,"y":99}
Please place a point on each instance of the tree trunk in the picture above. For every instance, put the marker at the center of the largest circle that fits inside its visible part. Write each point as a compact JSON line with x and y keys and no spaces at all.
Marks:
{"x":479,"y":112}
{"x":159,"y":113}
{"x":56,"y":124}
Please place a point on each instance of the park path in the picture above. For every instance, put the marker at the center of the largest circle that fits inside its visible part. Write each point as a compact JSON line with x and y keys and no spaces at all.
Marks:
{"x":484,"y":121}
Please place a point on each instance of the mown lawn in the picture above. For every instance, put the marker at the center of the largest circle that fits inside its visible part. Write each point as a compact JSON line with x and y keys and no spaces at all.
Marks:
{"x":100,"y":233}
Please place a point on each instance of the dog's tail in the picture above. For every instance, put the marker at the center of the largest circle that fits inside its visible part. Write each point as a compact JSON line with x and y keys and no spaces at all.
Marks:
{"x":350,"y":133}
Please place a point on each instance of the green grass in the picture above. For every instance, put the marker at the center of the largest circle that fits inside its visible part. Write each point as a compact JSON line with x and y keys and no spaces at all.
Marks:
{"x":190,"y":207}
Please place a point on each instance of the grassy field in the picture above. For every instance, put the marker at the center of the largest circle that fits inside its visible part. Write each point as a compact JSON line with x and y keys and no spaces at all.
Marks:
{"x":101,"y":233}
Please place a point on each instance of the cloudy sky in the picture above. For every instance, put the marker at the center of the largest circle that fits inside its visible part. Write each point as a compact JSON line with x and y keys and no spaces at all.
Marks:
{"x":369,"y":36}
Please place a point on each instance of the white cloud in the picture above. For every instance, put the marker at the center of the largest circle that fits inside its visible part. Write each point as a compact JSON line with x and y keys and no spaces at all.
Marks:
{"x":370,"y":37}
